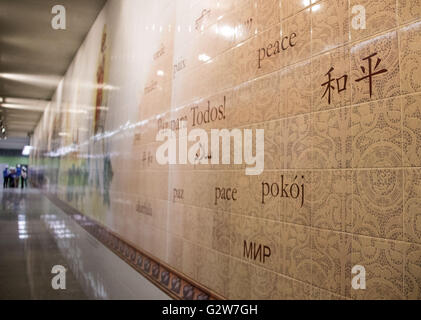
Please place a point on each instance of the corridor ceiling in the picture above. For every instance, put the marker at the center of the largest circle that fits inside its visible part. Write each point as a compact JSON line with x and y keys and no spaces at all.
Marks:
{"x":31,"y":49}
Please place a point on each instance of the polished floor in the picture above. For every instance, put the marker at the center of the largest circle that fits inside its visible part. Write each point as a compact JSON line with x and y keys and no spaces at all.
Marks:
{"x":35,"y":235}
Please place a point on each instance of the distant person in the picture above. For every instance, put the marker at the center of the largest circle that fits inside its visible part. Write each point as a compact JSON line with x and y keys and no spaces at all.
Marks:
{"x":24,"y":177}
{"x":18,"y":174}
{"x":6,"y":177}
{"x":12,"y":177}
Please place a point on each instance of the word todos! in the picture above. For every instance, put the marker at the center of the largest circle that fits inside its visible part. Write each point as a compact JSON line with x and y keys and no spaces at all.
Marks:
{"x":210,"y":114}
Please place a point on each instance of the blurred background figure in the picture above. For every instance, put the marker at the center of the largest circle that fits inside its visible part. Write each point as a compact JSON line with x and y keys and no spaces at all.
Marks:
{"x":5,"y":176}
{"x":12,"y":177}
{"x":18,"y":174}
{"x":24,"y":177}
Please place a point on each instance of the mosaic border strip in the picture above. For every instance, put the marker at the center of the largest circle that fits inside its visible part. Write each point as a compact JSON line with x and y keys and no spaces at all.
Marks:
{"x":173,"y":283}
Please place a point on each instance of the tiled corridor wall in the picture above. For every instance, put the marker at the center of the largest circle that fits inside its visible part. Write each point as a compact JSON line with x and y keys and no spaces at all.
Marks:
{"x":341,"y":110}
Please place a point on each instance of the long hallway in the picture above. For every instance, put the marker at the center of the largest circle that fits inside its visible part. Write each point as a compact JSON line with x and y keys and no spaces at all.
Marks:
{"x":36,"y":235}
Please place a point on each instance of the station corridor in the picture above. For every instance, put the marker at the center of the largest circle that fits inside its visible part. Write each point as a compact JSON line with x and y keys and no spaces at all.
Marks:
{"x":210,"y":150}
{"x":36,"y":235}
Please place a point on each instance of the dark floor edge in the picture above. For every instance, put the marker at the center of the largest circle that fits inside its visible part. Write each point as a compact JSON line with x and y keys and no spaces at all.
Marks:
{"x":175,"y":284}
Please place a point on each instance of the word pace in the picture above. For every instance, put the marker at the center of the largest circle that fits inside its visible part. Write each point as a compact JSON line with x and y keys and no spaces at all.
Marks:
{"x":198,"y":152}
{"x":284,"y":190}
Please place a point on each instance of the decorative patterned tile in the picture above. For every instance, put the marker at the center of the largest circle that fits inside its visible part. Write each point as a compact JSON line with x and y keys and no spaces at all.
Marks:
{"x":240,"y":284}
{"x":377,"y":203}
{"x":380,"y":16}
{"x":264,"y":284}
{"x":330,"y":25}
{"x":331,"y":79}
{"x":383,"y":261}
{"x":375,"y":68}
{"x":412,"y":272}
{"x":295,"y":196}
{"x":331,"y":261}
{"x":377,"y":135}
{"x":411,"y":121}
{"x":332,"y":146}
{"x":410,"y":57}
{"x":299,"y":148}
{"x":295,"y":252}
{"x":408,"y":10}
{"x":332,"y":200}
{"x":412,"y":206}
{"x":300,"y":26}
{"x":295,"y":85}
{"x":291,"y":289}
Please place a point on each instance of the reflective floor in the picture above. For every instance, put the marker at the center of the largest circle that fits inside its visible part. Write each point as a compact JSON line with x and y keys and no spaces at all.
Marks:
{"x":35,"y":235}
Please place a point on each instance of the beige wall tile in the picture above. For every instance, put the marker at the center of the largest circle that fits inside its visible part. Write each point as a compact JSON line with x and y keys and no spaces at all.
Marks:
{"x":410,"y":60}
{"x":332,"y":200}
{"x":295,"y":89}
{"x":241,"y":112}
{"x":412,"y":272}
{"x":291,"y":289}
{"x":296,"y":195}
{"x":380,"y":16}
{"x":331,"y":261}
{"x":330,"y":25}
{"x":300,"y":25}
{"x":295,"y":252}
{"x":377,"y":134}
{"x":256,"y":241}
{"x":221,"y":239}
{"x":408,"y":10}
{"x":266,"y":98}
{"x":190,"y":262}
{"x":320,"y":294}
{"x":383,"y":261}
{"x":377,"y":203}
{"x":412,"y":206}
{"x":243,"y":193}
{"x":382,"y":51}
{"x":213,"y":271}
{"x":204,"y":230}
{"x":411,"y":120}
{"x":175,"y":252}
{"x":262,"y":204}
{"x":299,"y":148}
{"x":292,"y":7}
{"x":264,"y":284}
{"x":267,"y":13}
{"x":331,"y":68}
{"x":240,"y":284}
{"x":332,"y":139}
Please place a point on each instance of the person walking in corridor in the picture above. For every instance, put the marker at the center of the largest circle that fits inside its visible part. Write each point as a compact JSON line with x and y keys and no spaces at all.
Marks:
{"x":24,"y":177}
{"x":6,"y":177}
{"x":18,"y":174}
{"x":12,"y":178}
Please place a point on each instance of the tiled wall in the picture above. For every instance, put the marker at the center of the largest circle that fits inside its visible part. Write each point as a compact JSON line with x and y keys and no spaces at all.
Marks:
{"x":341,"y":110}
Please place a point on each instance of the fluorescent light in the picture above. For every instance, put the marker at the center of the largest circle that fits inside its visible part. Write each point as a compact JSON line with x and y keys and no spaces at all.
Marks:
{"x":203,"y":57}
{"x":23,"y":101}
{"x":38,"y":80}
{"x":1,"y":99}
{"x":26,"y":150}
{"x":22,"y":107}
